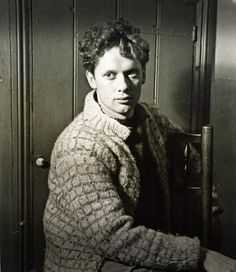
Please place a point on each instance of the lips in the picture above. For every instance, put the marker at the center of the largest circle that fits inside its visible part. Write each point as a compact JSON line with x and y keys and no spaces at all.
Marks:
{"x":124,"y":99}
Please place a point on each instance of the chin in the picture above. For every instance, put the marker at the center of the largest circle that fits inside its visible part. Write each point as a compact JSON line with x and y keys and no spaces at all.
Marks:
{"x":125,"y":110}
{"x":127,"y":113}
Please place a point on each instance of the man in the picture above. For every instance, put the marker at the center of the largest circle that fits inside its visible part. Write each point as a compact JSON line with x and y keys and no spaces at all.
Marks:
{"x":108,"y":207}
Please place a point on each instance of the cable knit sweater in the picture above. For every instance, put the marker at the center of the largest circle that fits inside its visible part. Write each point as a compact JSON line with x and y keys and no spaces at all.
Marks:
{"x":94,"y":185}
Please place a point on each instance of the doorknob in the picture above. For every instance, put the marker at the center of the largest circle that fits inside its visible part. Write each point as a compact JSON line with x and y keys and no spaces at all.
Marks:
{"x":41,"y":162}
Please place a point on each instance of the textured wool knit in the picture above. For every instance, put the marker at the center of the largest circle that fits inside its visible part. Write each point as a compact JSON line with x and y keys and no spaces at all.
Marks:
{"x":94,"y":185}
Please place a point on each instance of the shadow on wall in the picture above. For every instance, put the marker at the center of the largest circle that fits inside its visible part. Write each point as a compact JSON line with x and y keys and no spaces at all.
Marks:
{"x":223,"y":116}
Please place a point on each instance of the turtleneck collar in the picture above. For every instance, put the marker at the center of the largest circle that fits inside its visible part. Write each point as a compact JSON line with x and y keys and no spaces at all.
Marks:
{"x":101,"y":121}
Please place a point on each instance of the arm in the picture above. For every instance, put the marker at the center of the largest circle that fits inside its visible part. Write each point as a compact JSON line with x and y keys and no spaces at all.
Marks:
{"x":169,"y":128}
{"x":211,"y":260}
{"x":103,"y":227}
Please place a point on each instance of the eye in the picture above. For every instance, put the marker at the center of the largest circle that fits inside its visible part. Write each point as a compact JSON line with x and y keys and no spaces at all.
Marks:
{"x":110,"y":75}
{"x":133,"y":75}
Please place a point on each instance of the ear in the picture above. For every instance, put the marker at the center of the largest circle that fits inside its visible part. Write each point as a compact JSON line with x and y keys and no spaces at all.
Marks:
{"x":91,"y":79}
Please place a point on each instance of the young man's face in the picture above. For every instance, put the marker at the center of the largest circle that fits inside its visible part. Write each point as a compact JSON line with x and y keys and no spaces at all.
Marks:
{"x":118,"y":82}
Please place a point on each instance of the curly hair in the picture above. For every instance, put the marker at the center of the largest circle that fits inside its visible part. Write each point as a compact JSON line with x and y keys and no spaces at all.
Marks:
{"x":98,"y":39}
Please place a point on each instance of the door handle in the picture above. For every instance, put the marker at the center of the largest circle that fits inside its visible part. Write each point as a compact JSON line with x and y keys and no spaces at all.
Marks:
{"x":42,"y":162}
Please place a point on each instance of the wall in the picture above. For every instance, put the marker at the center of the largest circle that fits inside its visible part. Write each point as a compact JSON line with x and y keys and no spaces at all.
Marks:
{"x":223,"y":117}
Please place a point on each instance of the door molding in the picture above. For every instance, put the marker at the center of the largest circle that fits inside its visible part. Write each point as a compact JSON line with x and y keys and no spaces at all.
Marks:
{"x":23,"y":63}
{"x":203,"y":73}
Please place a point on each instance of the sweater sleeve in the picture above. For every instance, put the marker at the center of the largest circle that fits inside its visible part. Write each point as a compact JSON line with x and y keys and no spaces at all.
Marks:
{"x":101,"y":226}
{"x":168,"y":128}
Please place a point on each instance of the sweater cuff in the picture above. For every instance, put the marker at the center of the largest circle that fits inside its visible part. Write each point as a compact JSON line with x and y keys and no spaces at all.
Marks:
{"x":184,"y":253}
{"x":191,"y":253}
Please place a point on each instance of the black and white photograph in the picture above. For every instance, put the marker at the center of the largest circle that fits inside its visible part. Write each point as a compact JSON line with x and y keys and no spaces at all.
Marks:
{"x":117,"y":135}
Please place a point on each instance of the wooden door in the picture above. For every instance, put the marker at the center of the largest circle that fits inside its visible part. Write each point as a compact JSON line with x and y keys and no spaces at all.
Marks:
{"x":58,"y":90}
{"x":57,"y":84}
{"x":52,"y":104}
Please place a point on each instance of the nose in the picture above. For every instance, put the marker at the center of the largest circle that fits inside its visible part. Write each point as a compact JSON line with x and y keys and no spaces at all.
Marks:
{"x":122,"y":83}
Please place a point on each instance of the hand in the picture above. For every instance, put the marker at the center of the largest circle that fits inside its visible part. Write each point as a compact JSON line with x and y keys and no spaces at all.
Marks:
{"x":216,"y":262}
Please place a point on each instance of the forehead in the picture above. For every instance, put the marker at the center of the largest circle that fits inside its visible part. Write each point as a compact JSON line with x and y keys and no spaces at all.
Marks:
{"x":113,"y":60}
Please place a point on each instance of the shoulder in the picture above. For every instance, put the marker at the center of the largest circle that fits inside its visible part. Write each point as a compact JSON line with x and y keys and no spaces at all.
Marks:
{"x":80,"y":140}
{"x":160,"y":119}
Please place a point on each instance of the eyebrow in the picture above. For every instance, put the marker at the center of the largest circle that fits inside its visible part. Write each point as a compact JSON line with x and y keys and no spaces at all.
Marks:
{"x":133,"y":70}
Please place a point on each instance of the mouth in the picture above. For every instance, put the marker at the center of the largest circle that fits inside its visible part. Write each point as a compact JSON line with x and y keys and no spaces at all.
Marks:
{"x":125,"y":100}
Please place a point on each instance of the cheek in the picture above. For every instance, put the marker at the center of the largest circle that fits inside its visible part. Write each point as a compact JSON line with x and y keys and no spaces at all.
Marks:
{"x":137,"y":91}
{"x":104,"y":86}
{"x":105,"y":94}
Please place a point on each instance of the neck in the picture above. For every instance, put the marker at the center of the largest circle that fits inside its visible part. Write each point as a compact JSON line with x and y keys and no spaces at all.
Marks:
{"x":115,"y":115}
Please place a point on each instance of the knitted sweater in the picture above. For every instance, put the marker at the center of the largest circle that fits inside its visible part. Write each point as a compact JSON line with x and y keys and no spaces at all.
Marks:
{"x":94,"y":189}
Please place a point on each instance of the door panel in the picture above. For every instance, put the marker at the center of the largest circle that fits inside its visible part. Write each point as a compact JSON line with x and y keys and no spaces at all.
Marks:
{"x":176,"y":50}
{"x":140,"y":13}
{"x":175,"y":79}
{"x":177,"y":13}
{"x":52,"y":98}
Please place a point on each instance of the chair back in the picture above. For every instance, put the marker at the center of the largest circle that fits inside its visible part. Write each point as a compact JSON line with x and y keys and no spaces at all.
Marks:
{"x":191,"y":160}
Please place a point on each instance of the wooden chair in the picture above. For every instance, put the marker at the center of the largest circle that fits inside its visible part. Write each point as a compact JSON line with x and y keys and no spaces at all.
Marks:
{"x":191,"y":183}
